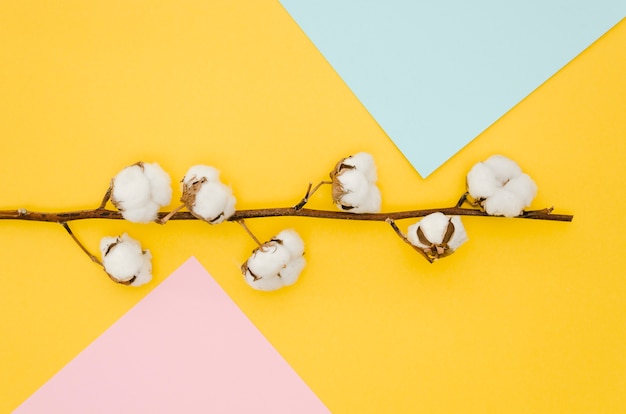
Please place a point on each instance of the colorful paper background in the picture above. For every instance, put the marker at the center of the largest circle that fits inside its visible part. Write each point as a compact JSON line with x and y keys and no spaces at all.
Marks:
{"x":529,"y":316}
{"x":435,"y":74}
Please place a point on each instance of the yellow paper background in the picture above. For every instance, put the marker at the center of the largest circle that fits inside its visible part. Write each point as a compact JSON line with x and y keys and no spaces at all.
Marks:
{"x":528,"y":316}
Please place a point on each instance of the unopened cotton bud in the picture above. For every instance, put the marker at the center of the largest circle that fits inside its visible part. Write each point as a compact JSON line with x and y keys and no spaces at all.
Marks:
{"x":437,"y":235}
{"x":206,"y":197}
{"x":354,"y":184}
{"x":276,"y":263}
{"x":125,"y":261}
{"x":140,"y":190}
{"x":500,"y":187}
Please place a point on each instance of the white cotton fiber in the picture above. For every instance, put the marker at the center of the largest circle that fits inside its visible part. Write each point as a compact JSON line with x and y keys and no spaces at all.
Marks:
{"x":200,"y":171}
{"x":123,"y":259}
{"x":206,"y":196}
{"x":140,"y":190}
{"x":355,"y":187}
{"x":503,"y":203}
{"x":145,"y":273}
{"x":160,"y":183}
{"x":434,"y":227}
{"x":290,"y":273}
{"x":131,"y":188}
{"x":503,"y":168}
{"x":268,"y":260}
{"x":292,"y":241}
{"x":354,"y":184}
{"x":460,"y":234}
{"x":266,"y":284}
{"x":523,"y":187}
{"x":144,"y":214}
{"x":500,"y":187}
{"x":276,"y":263}
{"x":363,"y":162}
{"x":481,"y":181}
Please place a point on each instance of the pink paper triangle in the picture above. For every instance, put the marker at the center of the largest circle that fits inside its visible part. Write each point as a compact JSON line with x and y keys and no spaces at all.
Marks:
{"x":185,"y":348}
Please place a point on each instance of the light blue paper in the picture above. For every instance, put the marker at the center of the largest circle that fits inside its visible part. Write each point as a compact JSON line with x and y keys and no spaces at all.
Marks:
{"x":435,"y":74}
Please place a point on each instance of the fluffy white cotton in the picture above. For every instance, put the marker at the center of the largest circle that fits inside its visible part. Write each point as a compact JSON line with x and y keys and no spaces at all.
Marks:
{"x":502,"y":167}
{"x":125,"y":261}
{"x":523,"y":187}
{"x":434,"y":227}
{"x":354,"y":184}
{"x":482,"y":181}
{"x":500,"y":187}
{"x":140,"y":190}
{"x":276,"y":263}
{"x":206,"y":196}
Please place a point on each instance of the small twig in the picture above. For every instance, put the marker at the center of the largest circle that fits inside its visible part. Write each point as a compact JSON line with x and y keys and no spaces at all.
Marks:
{"x":245,"y":227}
{"x":164,"y":219}
{"x":107,"y":197}
{"x":84,"y":249}
{"x":309,"y":193}
{"x":462,"y":200}
{"x":403,"y":237}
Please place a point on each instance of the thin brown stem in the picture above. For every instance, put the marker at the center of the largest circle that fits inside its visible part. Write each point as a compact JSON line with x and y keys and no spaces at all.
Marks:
{"x":164,"y":219}
{"x":403,"y":237}
{"x":83,"y":248}
{"x":245,"y":227}
{"x":309,"y":193}
{"x":107,"y":197}
{"x":22,"y":214}
{"x":461,"y":200}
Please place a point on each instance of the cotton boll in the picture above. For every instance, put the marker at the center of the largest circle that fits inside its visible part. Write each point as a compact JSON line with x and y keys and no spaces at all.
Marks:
{"x":140,"y":190}
{"x":481,"y":181}
{"x":145,"y":273}
{"x":197,"y":172}
{"x":504,"y":203}
{"x":460,"y":234}
{"x":500,"y":186}
{"x":131,"y":188}
{"x":266,"y":284}
{"x":122,"y":258}
{"x":290,"y":273}
{"x":523,"y":187}
{"x":434,"y":228}
{"x":214,"y":202}
{"x":292,"y":242}
{"x":276,"y":263}
{"x":206,"y":196}
{"x":144,"y":214}
{"x":268,"y":260}
{"x":160,"y":183}
{"x":503,"y":168}
{"x":354,"y":186}
{"x":371,"y":204}
{"x":364,"y":162}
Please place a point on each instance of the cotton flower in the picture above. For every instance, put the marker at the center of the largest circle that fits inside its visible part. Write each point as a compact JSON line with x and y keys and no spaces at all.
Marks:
{"x":276,"y":263}
{"x":437,"y":235}
{"x":354,"y":184}
{"x":205,"y":196}
{"x":124,"y":260}
{"x":500,"y":187}
{"x":140,"y":190}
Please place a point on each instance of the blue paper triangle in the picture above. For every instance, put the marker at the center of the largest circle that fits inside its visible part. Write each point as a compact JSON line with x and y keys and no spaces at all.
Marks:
{"x":435,"y":74}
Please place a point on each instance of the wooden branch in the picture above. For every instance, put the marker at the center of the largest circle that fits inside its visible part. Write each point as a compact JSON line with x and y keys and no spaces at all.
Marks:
{"x":101,"y":213}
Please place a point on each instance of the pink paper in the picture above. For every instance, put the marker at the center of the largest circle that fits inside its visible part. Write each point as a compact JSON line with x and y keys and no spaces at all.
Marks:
{"x":185,"y":348}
